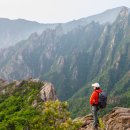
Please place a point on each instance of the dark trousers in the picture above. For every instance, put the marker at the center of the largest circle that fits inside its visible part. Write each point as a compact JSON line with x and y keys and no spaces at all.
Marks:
{"x":95,"y":115}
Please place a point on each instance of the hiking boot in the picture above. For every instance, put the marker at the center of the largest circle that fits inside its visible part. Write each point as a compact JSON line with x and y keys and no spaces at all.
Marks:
{"x":95,"y":127}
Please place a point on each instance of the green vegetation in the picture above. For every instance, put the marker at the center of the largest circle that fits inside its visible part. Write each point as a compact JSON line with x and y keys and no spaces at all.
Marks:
{"x":101,"y":124}
{"x":18,"y":113}
{"x":16,"y":109}
{"x":55,"y":117}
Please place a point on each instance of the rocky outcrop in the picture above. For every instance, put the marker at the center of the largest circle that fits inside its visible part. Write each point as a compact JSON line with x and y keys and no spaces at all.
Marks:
{"x":87,"y":122}
{"x":3,"y":82}
{"x":118,"y":119}
{"x":48,"y":92}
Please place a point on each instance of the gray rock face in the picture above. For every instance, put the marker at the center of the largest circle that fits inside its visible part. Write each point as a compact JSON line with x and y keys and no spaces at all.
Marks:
{"x":48,"y":92}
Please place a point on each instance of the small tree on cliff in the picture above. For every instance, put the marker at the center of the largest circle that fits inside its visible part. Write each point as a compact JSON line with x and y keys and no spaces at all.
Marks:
{"x":55,"y":117}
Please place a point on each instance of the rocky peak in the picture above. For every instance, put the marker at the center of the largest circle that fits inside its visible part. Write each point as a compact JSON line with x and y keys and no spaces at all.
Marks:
{"x":33,"y":36}
{"x":124,"y":12}
{"x":122,"y":18}
{"x":48,"y":92}
{"x":59,"y":30}
{"x":45,"y":91}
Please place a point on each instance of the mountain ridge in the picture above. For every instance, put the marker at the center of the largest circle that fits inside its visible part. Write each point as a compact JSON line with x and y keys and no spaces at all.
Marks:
{"x":20,"y":29}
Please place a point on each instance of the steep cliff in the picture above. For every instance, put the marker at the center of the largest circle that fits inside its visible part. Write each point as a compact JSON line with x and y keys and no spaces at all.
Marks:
{"x":13,"y":31}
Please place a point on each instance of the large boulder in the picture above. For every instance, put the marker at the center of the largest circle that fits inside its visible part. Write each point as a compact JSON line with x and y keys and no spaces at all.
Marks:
{"x":48,"y":92}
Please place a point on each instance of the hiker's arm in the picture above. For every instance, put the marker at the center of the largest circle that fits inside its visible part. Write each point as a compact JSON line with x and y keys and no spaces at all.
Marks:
{"x":92,"y":99}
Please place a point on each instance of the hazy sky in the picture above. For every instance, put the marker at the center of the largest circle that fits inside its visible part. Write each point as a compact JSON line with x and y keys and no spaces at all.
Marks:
{"x":51,"y":11}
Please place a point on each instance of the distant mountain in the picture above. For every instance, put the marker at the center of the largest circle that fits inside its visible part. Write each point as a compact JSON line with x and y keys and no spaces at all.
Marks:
{"x":108,"y":16}
{"x":12,"y":31}
{"x":53,"y":56}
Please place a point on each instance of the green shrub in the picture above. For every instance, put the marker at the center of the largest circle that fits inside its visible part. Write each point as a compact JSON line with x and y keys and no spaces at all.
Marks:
{"x":55,"y":117}
{"x":101,"y":124}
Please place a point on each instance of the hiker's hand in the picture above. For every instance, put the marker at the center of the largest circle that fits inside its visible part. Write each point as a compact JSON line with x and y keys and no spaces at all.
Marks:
{"x":94,"y":101}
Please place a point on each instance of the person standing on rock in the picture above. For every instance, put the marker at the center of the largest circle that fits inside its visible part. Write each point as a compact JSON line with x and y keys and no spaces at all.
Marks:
{"x":94,"y":104}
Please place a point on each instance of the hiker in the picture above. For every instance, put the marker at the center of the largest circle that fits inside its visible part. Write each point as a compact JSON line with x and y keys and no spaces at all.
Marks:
{"x":94,"y":102}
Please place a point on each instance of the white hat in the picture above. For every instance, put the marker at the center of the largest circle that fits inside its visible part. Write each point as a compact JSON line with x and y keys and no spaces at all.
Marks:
{"x":96,"y":85}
